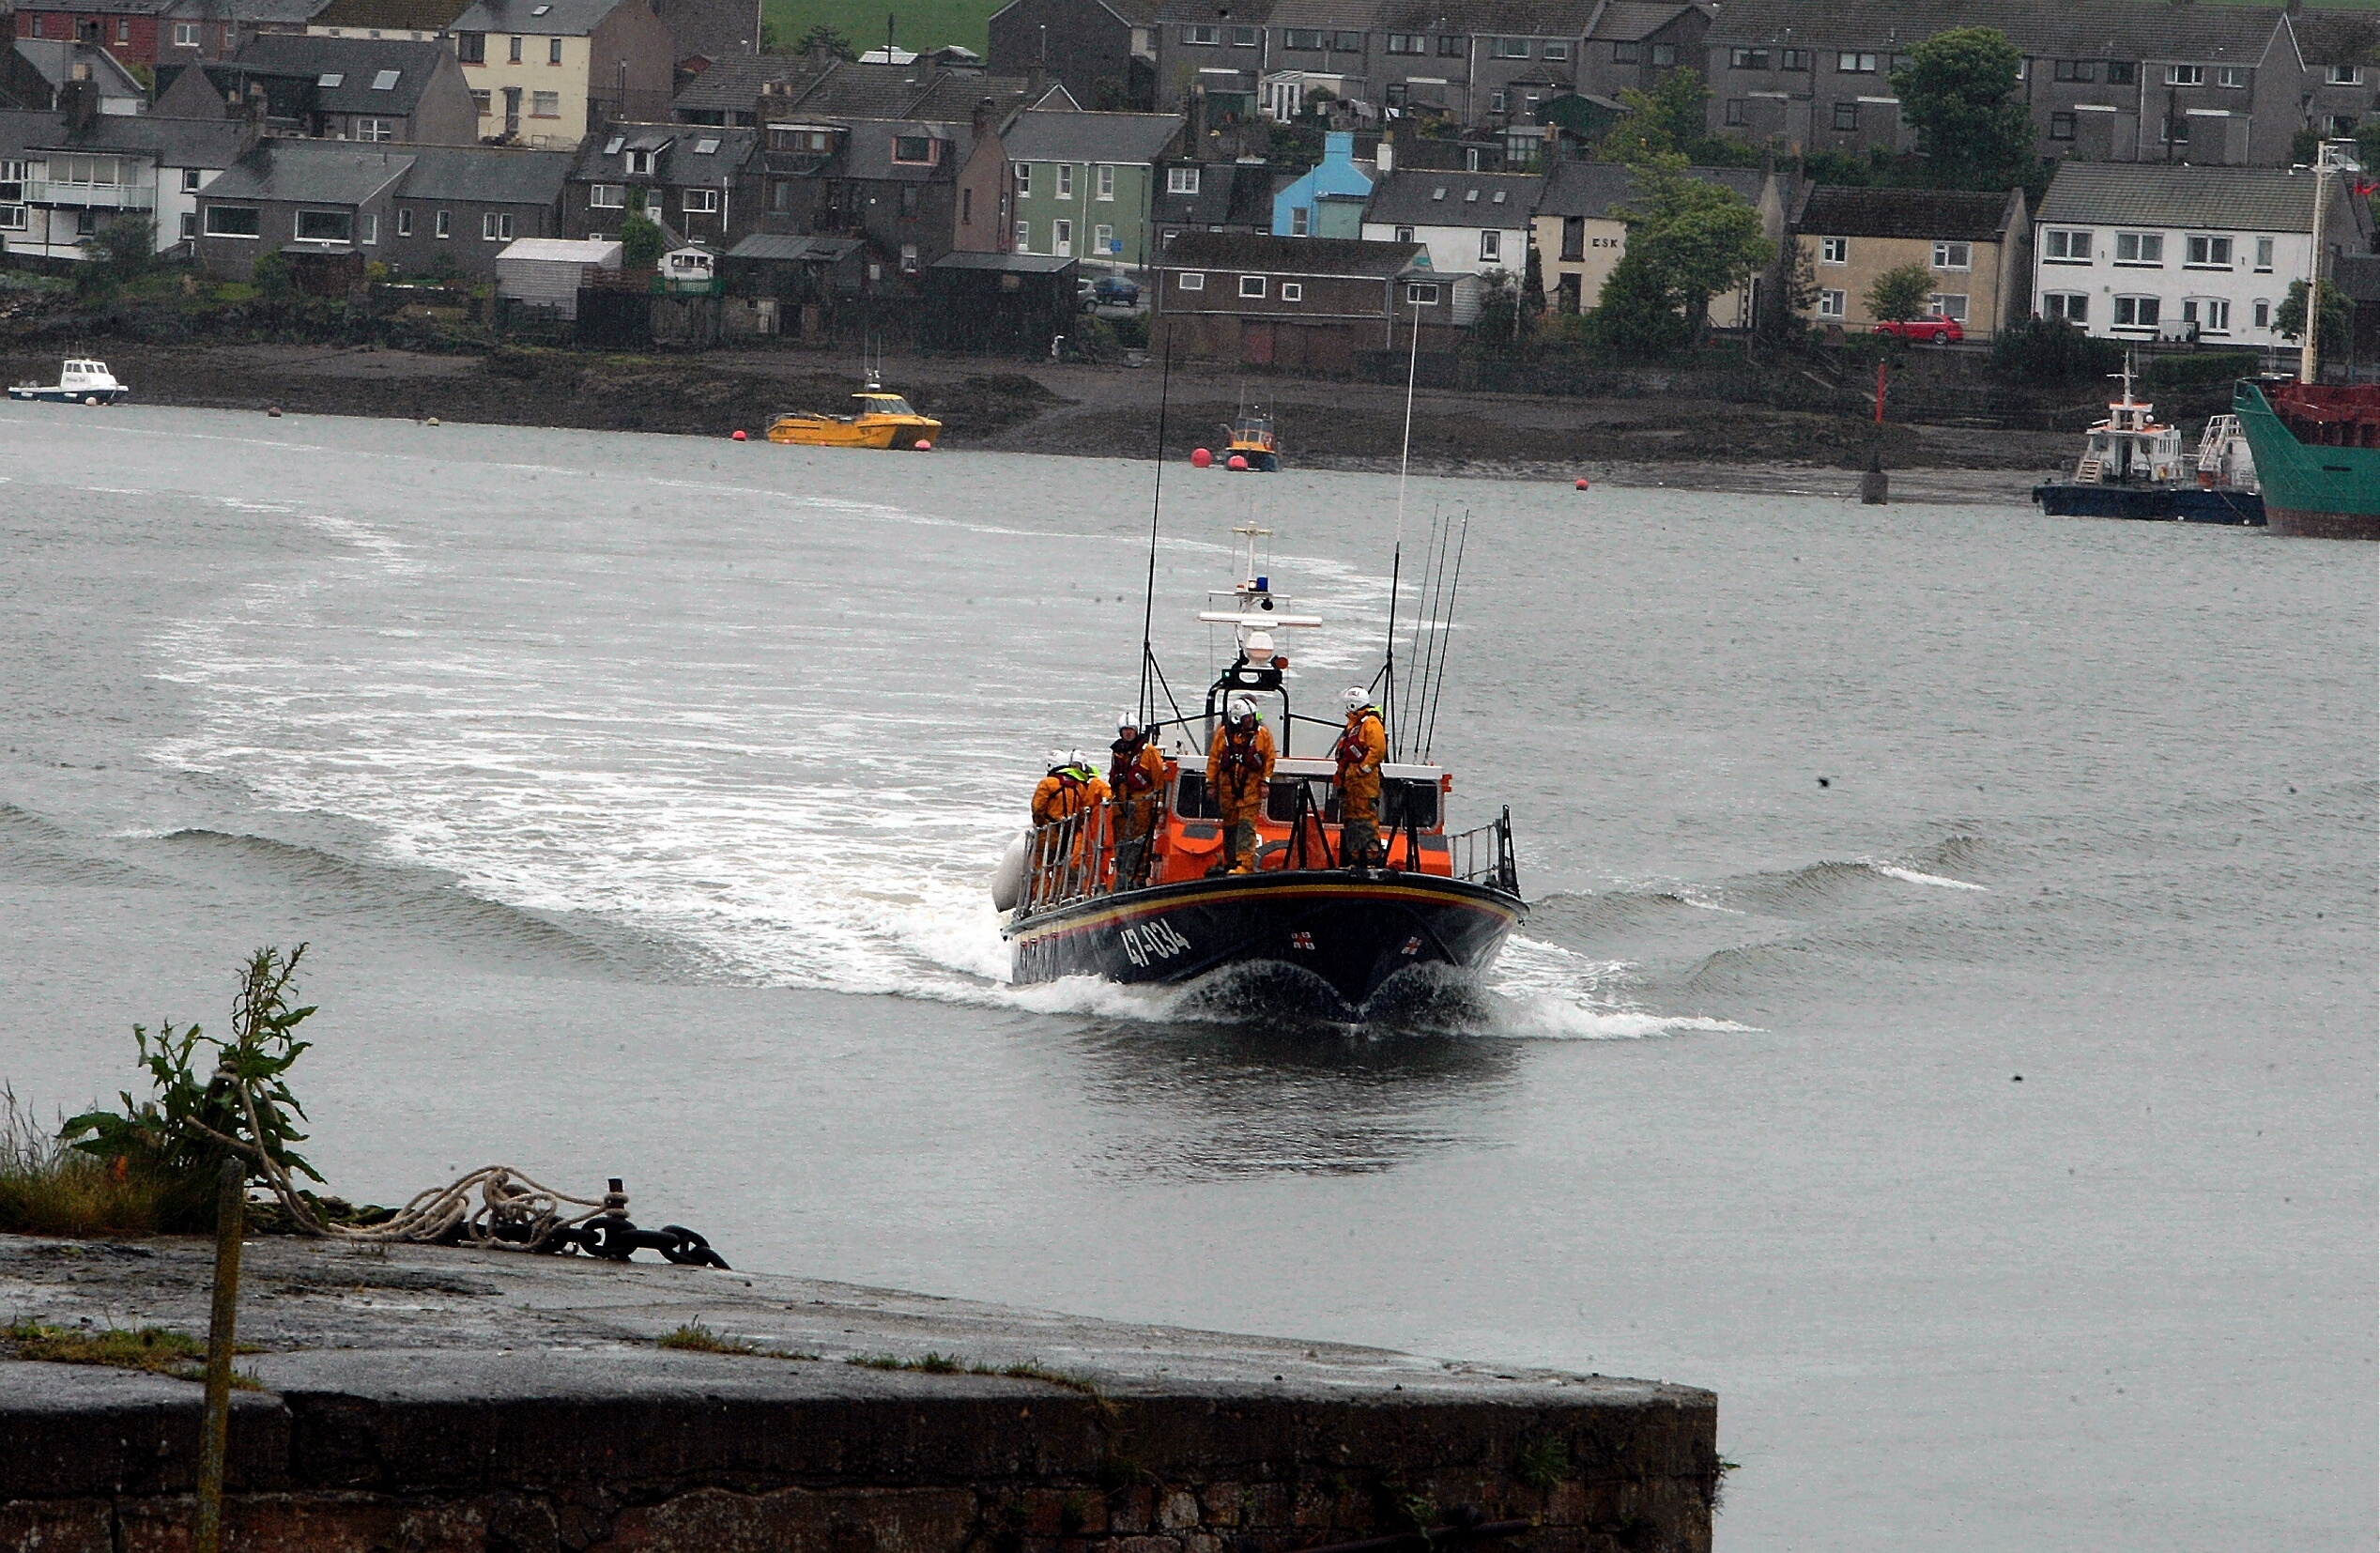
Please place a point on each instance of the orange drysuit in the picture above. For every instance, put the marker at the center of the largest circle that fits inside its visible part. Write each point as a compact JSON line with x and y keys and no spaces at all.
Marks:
{"x":1240,"y":768}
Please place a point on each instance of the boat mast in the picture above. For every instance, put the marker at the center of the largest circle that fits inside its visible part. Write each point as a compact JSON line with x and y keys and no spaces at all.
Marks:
{"x":1396,"y":556}
{"x":1156,"y":496}
{"x":2307,"y":351}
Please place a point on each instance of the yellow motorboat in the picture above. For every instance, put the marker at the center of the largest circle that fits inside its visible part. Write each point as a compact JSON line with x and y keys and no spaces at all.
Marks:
{"x":878,"y":420}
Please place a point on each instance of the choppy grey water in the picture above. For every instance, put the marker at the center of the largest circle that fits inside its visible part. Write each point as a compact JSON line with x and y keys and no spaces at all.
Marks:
{"x":1992,"y":1125}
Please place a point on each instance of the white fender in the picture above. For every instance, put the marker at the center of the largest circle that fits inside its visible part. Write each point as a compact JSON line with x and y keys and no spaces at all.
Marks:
{"x":1007,"y":878}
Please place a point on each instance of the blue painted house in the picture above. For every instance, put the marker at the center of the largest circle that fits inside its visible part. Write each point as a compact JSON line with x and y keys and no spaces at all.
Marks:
{"x":1329,"y":201}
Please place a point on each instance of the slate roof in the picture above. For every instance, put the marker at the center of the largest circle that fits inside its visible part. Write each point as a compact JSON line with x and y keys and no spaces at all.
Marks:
{"x":679,"y":165}
{"x":313,"y":171}
{"x":1230,"y":193}
{"x":1431,"y":198}
{"x":732,"y":84}
{"x":174,"y":142}
{"x":1040,"y":135}
{"x":2063,"y":29}
{"x":55,"y":58}
{"x":1594,"y":188}
{"x":279,"y":12}
{"x":2245,"y":199}
{"x":1830,"y":211}
{"x":20,"y":130}
{"x":1255,"y":253}
{"x":1627,"y":20}
{"x":562,"y":18}
{"x":779,"y":245}
{"x":430,"y":16}
{"x":1014,"y":264}
{"x":842,"y":88}
{"x":486,"y":174}
{"x":867,"y":150}
{"x":2336,"y":38}
{"x":358,"y":63}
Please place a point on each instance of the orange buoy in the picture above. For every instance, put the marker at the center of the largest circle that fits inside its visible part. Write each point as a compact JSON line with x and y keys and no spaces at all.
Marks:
{"x":924,"y":446}
{"x":1236,"y":463}
{"x":274,"y":412}
{"x":1582,"y":484}
{"x":1200,"y":458}
{"x":737,"y":436}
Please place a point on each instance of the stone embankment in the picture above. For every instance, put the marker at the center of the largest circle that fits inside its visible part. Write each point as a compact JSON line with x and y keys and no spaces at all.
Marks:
{"x":434,"y":1400}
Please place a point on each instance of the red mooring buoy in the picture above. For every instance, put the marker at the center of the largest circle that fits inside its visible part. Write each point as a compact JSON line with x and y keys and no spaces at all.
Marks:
{"x":924,"y":446}
{"x":739,"y":436}
{"x":1200,"y":458}
{"x":1236,"y":463}
{"x":1582,"y":484}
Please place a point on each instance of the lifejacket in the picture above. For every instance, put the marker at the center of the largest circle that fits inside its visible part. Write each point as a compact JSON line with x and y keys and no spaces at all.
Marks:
{"x":1241,"y":760}
{"x":1130,"y":777}
{"x":1355,"y":750}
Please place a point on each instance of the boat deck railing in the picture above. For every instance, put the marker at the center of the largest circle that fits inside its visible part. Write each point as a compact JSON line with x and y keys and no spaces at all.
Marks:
{"x":1484,"y":855}
{"x":1076,"y":858}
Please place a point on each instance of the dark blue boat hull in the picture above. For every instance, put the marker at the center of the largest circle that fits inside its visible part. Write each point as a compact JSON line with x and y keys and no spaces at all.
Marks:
{"x":2152,"y":503}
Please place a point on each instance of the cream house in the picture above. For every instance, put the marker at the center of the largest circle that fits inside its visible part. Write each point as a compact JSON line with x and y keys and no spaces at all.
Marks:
{"x":547,"y":72}
{"x":1974,"y":244}
{"x":1580,"y":231}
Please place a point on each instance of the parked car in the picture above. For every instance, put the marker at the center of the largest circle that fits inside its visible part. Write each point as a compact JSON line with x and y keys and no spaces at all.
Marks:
{"x":1111,"y":291}
{"x":1942,"y":331}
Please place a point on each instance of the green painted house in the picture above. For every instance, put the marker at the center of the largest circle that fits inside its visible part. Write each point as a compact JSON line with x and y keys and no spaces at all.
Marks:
{"x":1080,"y":183}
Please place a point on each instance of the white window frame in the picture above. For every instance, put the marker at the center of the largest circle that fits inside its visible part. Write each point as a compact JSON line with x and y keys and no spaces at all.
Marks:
{"x":2199,"y":250}
{"x":1293,"y":291}
{"x":2345,"y":75}
{"x":2133,"y":303}
{"x":1024,"y":237}
{"x":545,"y":104}
{"x":1062,"y":238}
{"x":1301,"y":221}
{"x":2072,"y":306}
{"x":2233,"y":76}
{"x":699,"y":202}
{"x":368,"y":229}
{"x":404,"y":221}
{"x":2263,"y":313}
{"x":2213,"y":315}
{"x":1190,"y":280}
{"x":374,"y":131}
{"x":443,"y":227}
{"x":1420,"y":294}
{"x":1201,"y":35}
{"x":496,"y":226}
{"x":608,"y":196}
{"x":1024,"y":180}
{"x":1948,"y":305}
{"x":1833,"y":304}
{"x":1252,"y":288}
{"x":1954,"y":255}
{"x":193,"y":179}
{"x":13,"y":217}
{"x":2263,"y":255}
{"x":186,"y":35}
{"x":2057,"y":244}
{"x":1181,"y":181}
{"x":2152,"y":244}
{"x":1854,"y":62}
{"x":2186,"y":75}
{"x":1835,"y":250}
{"x":1491,"y":245}
{"x":1103,"y":238}
{"x":1103,"y":182}
{"x":1066,"y":180}
{"x":298,"y":225}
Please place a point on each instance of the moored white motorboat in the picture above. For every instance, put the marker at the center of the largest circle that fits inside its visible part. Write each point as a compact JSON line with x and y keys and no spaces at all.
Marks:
{"x":81,"y":382}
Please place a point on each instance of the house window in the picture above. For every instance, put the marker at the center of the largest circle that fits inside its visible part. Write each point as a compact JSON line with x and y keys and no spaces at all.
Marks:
{"x":2212,"y":314}
{"x":404,"y":221}
{"x":124,"y":31}
{"x":445,"y":224}
{"x":12,"y":219}
{"x":2145,"y":249}
{"x":1948,"y":305}
{"x":1024,"y":237}
{"x":1062,"y":239}
{"x":908,"y":202}
{"x":482,"y":103}
{"x":1421,"y":294}
{"x":2061,"y":125}
{"x":2136,"y":312}
{"x":1181,"y":181}
{"x":1748,"y":59}
{"x":1103,"y":241}
{"x":2346,"y":75}
{"x":2122,"y":73}
{"x":1835,"y":250}
{"x":191,"y":177}
{"x":917,"y":151}
{"x":325,"y":226}
{"x":1512,"y":48}
{"x":1293,"y":291}
{"x":1627,"y":53}
{"x":371,"y":230}
{"x":1024,"y":180}
{"x":545,"y":105}
{"x":553,"y":51}
{"x":1854,"y":64}
{"x":1251,"y":285}
{"x":1830,"y":303}
{"x":1847,"y":116}
{"x":2186,"y":75}
{"x":1247,"y":38}
{"x":1405,"y":233}
{"x":2072,"y":306}
{"x":1451,"y":46}
{"x":1103,"y":182}
{"x":2077,"y":69}
{"x":2209,"y":252}
{"x":1347,"y":42}
{"x":1794,"y":59}
{"x":1555,"y":50}
{"x":1664,"y":54}
{"x":610,"y":196}
{"x":705,"y":202}
{"x":471,"y":48}
{"x":375,"y":130}
{"x":2173,"y":130}
{"x":1736,"y":109}
{"x":1491,"y":246}
{"x":1409,"y":42}
{"x":1496,"y":103}
{"x":2263,"y":255}
{"x":2066,"y":247}
{"x":1953,"y":256}
{"x":1301,"y":38}
{"x":909,"y":265}
{"x":2235,"y":76}
{"x":1301,"y":221}
{"x":515,"y":56}
{"x":185,"y":35}
{"x":2263,"y":314}
{"x":1190,"y":280}
{"x":966,"y":205}
{"x":190,"y":224}
{"x":1201,"y":36}
{"x":640,"y":161}
{"x":496,"y":226}
{"x":1066,"y":180}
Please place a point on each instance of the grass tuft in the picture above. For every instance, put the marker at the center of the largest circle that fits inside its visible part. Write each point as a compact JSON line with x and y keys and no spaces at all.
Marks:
{"x":698,"y":1338}
{"x":936,"y":1363}
{"x":153,"y":1349}
{"x":49,"y":1188}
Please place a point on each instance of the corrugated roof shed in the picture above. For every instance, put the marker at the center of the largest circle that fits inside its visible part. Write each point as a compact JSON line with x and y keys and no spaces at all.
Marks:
{"x":1831,"y":211}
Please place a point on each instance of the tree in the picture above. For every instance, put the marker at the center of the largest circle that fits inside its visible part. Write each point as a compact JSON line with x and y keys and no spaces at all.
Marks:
{"x":1668,"y":121}
{"x":1699,"y":239}
{"x":1637,"y":314}
{"x":275,"y":278}
{"x":1959,"y":91}
{"x":123,"y":250}
{"x":1533,"y":283}
{"x":828,"y":40}
{"x":1901,"y":295}
{"x":2289,"y":320}
{"x":640,"y":243}
{"x":2052,"y":350}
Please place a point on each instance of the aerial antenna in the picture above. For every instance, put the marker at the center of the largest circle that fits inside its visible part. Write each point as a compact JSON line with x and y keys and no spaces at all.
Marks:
{"x":1430,"y":734}
{"x":1396,"y":556}
{"x":1434,"y":592}
{"x":1157,"y":496}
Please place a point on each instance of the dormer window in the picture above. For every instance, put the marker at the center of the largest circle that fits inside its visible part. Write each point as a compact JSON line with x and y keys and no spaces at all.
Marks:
{"x":640,"y":161}
{"x":917,"y":151}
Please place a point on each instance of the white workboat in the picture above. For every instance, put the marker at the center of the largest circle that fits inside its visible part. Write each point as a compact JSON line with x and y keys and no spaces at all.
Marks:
{"x":80,"y":382}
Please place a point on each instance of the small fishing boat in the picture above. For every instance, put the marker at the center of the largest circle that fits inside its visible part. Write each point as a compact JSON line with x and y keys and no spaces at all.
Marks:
{"x":1251,"y":439}
{"x":878,"y":419}
{"x":81,"y":382}
{"x":2132,"y":466}
{"x":1432,"y":898}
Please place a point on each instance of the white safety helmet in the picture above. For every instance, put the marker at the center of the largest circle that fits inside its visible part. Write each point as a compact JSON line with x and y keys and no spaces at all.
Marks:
{"x":1241,"y":708}
{"x":1082,"y":759}
{"x":1356,"y":697}
{"x":1128,"y":722}
{"x":1061,"y":759}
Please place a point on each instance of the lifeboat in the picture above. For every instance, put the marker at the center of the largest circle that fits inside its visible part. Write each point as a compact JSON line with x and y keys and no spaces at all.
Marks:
{"x":1438,"y":898}
{"x":878,"y":419}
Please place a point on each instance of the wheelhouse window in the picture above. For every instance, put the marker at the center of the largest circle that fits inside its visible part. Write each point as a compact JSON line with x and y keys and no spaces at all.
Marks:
{"x":2263,"y":255}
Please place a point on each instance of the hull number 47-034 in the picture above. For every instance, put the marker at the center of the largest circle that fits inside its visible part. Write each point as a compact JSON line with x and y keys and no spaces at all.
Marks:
{"x":1152,"y":941}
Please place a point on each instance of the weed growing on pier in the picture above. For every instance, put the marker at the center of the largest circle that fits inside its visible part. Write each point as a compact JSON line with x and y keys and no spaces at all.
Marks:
{"x":49,"y":1188}
{"x":935,"y":1363}
{"x":698,"y":1338}
{"x":151,"y":1349}
{"x":1543,"y":1461}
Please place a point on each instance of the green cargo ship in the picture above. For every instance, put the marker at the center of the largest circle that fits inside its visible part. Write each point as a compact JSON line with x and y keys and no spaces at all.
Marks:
{"x":2317,"y":456}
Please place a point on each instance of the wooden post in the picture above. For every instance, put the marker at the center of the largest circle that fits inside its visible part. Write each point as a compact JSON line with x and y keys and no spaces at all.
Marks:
{"x":1879,"y":394}
{"x":231,"y":1213}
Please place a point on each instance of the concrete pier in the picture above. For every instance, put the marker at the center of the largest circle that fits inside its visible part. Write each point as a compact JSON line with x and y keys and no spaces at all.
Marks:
{"x":438,"y":1399}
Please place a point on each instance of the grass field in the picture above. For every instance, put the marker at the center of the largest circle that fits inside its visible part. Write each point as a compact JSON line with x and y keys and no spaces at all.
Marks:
{"x":931,"y":24}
